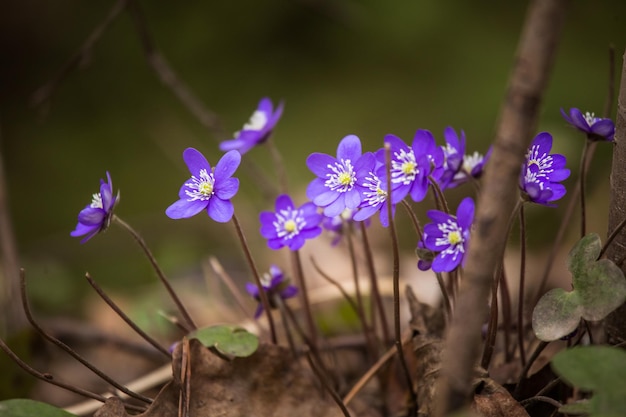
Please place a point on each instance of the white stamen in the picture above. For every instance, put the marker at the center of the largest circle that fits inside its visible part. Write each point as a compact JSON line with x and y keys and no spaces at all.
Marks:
{"x":288,"y":223}
{"x":96,"y":201}
{"x":343,"y":177}
{"x":403,"y":167}
{"x":200,"y":188}
{"x":376,"y":195}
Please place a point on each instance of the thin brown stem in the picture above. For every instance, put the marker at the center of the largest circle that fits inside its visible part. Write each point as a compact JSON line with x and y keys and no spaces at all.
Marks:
{"x":69,"y":350}
{"x":124,"y":317}
{"x":336,"y":284}
{"x":367,"y":331}
{"x":306,"y":304}
{"x":279,"y":165}
{"x":527,"y":365}
{"x":257,"y":278}
{"x":46,"y":377}
{"x":327,"y":385}
{"x":157,"y":269}
{"x":612,"y":237}
{"x":369,"y":261}
{"x":444,"y":292}
{"x":230,"y":284}
{"x":522,"y":278}
{"x":583,"y":175}
{"x":414,"y":219}
{"x":396,"y":286}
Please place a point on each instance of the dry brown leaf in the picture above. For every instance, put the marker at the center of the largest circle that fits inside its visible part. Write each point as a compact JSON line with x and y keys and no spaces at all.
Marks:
{"x":493,"y":400}
{"x":268,"y":383}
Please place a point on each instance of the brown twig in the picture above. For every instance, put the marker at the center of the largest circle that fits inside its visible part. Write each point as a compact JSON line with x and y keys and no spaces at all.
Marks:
{"x":44,"y":93}
{"x":11,"y":316}
{"x":335,"y":283}
{"x":46,"y":377}
{"x":124,"y":317}
{"x":168,"y":76}
{"x":327,"y":385}
{"x":396,"y":287}
{"x":170,"y":290}
{"x":217,"y":268}
{"x":69,"y":350}
{"x":518,"y":120}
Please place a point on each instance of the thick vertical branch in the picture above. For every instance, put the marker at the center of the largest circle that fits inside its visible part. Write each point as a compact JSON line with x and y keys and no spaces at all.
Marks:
{"x":518,"y":120}
{"x":11,"y":316}
{"x":615,"y":324}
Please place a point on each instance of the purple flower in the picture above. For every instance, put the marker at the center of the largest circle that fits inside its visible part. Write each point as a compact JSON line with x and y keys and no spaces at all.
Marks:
{"x":207,"y":189}
{"x":454,"y":152}
{"x":596,"y":128}
{"x":337,"y":225}
{"x":288,"y":225}
{"x":448,"y":236}
{"x":257,"y":130}
{"x":542,"y":172}
{"x":472,"y":168}
{"x":411,"y":166}
{"x":375,"y":198}
{"x":96,"y":217}
{"x":274,"y":284}
{"x":337,"y":186}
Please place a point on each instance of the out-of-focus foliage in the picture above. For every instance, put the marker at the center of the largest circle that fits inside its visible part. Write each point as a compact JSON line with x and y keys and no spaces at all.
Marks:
{"x":368,"y":68}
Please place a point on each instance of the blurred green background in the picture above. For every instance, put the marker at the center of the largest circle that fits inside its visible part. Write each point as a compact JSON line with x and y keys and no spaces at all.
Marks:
{"x":342,"y":67}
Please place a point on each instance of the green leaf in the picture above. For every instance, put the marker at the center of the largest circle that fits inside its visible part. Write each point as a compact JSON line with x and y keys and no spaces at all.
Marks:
{"x":599,"y":287}
{"x":556,"y":314}
{"x":230,"y":340}
{"x":599,"y":369}
{"x":29,"y":408}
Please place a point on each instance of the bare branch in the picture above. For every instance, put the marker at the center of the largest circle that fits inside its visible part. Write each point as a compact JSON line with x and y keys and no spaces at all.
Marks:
{"x":518,"y":120}
{"x":44,"y":93}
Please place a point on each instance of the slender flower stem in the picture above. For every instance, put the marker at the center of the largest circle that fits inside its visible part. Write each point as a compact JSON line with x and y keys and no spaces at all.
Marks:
{"x":336,"y":284}
{"x":230,"y":284}
{"x":367,"y":331}
{"x":283,"y":315}
{"x":257,"y":278}
{"x":306,"y":304}
{"x":527,"y":366}
{"x":492,"y":326}
{"x":124,"y":317}
{"x":612,"y":237}
{"x":439,"y":196}
{"x":278,"y":164}
{"x":396,"y":285}
{"x":369,"y":258}
{"x":414,"y":219}
{"x":565,"y":224}
{"x":583,"y":174}
{"x":327,"y":385}
{"x":444,"y":293}
{"x":69,"y":350}
{"x":500,"y":281}
{"x":522,"y":278}
{"x":157,"y":269}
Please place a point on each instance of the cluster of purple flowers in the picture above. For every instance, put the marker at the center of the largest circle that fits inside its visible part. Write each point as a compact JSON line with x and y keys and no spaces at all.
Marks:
{"x":353,"y":186}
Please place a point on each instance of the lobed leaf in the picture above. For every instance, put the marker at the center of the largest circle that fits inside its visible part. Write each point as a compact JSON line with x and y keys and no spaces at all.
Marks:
{"x":230,"y":340}
{"x":19,"y":407}
{"x":599,"y":369}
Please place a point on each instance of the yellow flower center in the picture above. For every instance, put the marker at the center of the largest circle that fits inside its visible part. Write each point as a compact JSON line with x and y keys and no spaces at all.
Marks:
{"x":344,"y":178}
{"x":408,"y":167}
{"x":454,"y":238}
{"x":205,"y":188}
{"x":290,"y":226}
